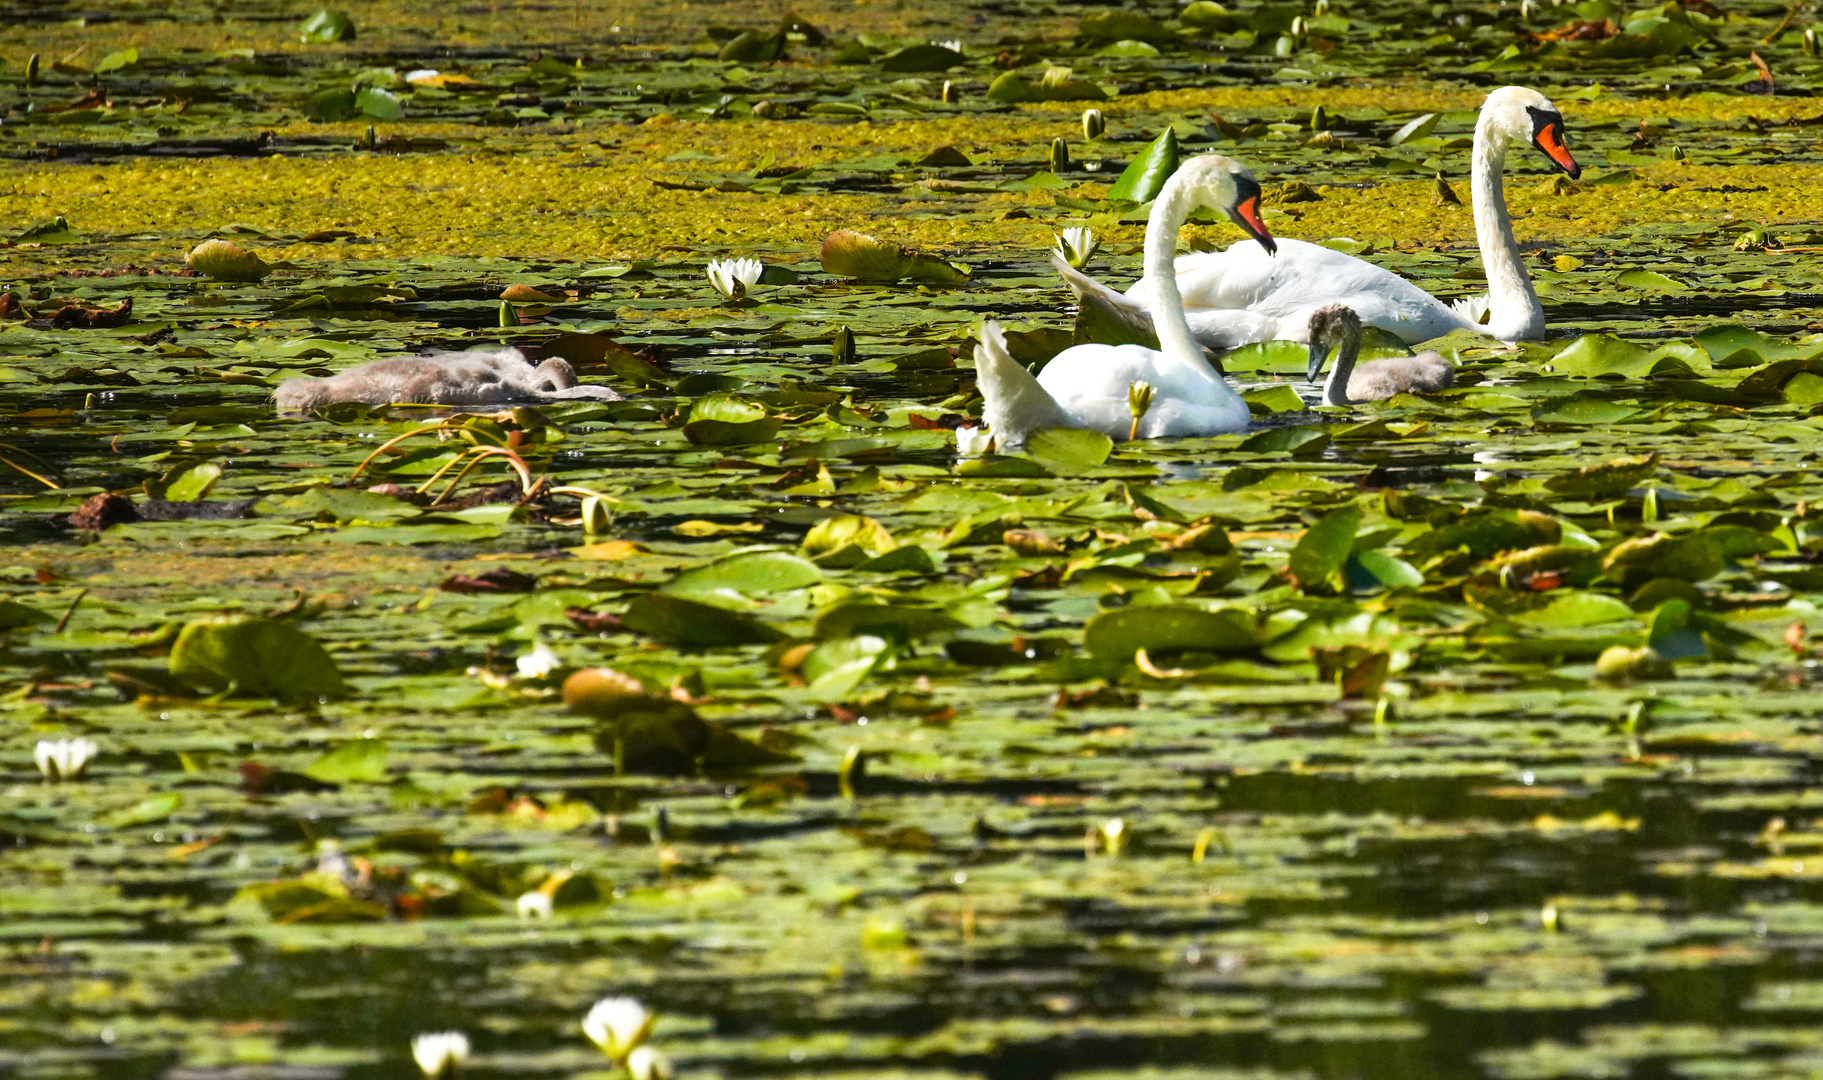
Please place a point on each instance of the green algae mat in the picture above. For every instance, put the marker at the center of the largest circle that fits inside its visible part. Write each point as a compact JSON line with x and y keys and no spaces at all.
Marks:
{"x":1466,"y":736}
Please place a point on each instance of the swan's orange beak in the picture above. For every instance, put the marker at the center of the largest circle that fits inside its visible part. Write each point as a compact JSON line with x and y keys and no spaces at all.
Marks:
{"x":1246,"y":214}
{"x":1549,"y":140}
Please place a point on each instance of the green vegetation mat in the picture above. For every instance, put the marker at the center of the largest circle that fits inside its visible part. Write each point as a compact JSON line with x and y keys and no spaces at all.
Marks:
{"x":1472,"y":735}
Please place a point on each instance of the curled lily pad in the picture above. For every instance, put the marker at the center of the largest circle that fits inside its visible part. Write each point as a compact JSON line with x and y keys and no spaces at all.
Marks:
{"x":1015,"y":88}
{"x":1164,"y":629}
{"x":728,"y":420}
{"x":1123,"y":26}
{"x":916,"y":58}
{"x":1324,"y":547}
{"x":1145,"y":177}
{"x":692,"y":622}
{"x":851,"y":254}
{"x":749,"y":573}
{"x":847,"y":540}
{"x":325,"y":26}
{"x":650,"y":733}
{"x":1208,"y":15}
{"x":755,"y":46}
{"x":255,"y":656}
{"x":224,"y":260}
{"x":1605,"y":478}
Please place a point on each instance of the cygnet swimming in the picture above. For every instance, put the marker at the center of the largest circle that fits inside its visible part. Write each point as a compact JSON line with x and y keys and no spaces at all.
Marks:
{"x":474,"y":377}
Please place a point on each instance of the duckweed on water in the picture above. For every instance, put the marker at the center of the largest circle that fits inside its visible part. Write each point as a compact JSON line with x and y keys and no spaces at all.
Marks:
{"x":1304,"y":752}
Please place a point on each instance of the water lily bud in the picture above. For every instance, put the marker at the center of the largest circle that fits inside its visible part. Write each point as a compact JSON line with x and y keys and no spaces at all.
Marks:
{"x":1810,"y":42}
{"x":31,"y":70}
{"x":1300,"y":28}
{"x":852,"y":772}
{"x":1139,"y":398}
{"x":1618,"y":663}
{"x":1060,"y":155}
{"x":1547,"y":918}
{"x":64,"y":759}
{"x":1113,"y":836}
{"x":534,"y":905}
{"x":597,"y":516}
{"x":1319,"y":119}
{"x":948,"y":94}
{"x":645,"y":1063}
{"x":440,"y":1054}
{"x":1093,"y":123}
{"x":1677,"y":152}
{"x":509,"y":315}
{"x":1321,"y":7}
{"x":1527,"y":10}
{"x":1285,"y":46}
{"x":226,"y":261}
{"x":617,"y":1025}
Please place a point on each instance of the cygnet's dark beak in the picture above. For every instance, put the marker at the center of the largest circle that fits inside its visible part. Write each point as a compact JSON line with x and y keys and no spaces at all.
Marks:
{"x":1319,"y":352}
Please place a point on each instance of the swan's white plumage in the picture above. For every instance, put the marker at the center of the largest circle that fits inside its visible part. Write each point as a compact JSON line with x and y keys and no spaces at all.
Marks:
{"x":1242,"y":295}
{"x":1086,"y":386}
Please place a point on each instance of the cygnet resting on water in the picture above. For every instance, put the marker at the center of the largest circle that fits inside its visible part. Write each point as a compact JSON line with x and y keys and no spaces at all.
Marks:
{"x":1338,"y":327}
{"x":475,"y":377}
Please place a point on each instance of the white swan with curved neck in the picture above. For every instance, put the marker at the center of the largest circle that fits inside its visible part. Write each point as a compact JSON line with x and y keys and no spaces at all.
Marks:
{"x":1238,"y":296}
{"x":1086,"y":386}
{"x":1337,"y":327}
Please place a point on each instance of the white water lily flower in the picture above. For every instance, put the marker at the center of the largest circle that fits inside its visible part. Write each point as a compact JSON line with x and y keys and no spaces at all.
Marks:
{"x":952,"y":45}
{"x":538,"y":663}
{"x":534,"y":905}
{"x":1077,"y":245}
{"x":440,"y":1053}
{"x":64,"y":759}
{"x":617,"y":1025}
{"x":974,"y":441}
{"x":733,"y":277}
{"x":422,"y":75}
{"x":645,"y":1063}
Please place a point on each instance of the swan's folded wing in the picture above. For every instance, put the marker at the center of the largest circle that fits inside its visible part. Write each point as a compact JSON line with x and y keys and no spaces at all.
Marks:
{"x":1104,"y":315}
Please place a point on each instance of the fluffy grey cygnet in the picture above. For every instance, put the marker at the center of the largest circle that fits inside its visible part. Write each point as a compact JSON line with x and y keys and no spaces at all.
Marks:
{"x":475,"y":377}
{"x":1338,"y":327}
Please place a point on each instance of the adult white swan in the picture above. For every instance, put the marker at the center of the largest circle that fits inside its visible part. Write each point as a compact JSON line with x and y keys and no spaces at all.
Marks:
{"x":1085,"y":386}
{"x":1339,"y":328}
{"x":1238,"y":296}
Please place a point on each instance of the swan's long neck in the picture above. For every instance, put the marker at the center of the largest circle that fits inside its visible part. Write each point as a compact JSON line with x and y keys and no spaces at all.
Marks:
{"x":1348,"y":347}
{"x":1175,"y":340}
{"x":1513,"y":308}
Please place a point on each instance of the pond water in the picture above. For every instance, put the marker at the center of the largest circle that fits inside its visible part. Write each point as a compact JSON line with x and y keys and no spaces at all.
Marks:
{"x":1470,"y":735}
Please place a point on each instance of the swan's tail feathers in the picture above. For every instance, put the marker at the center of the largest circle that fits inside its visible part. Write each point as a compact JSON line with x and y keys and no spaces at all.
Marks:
{"x":1015,"y":404}
{"x":1103,"y":315}
{"x":1472,"y":309}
